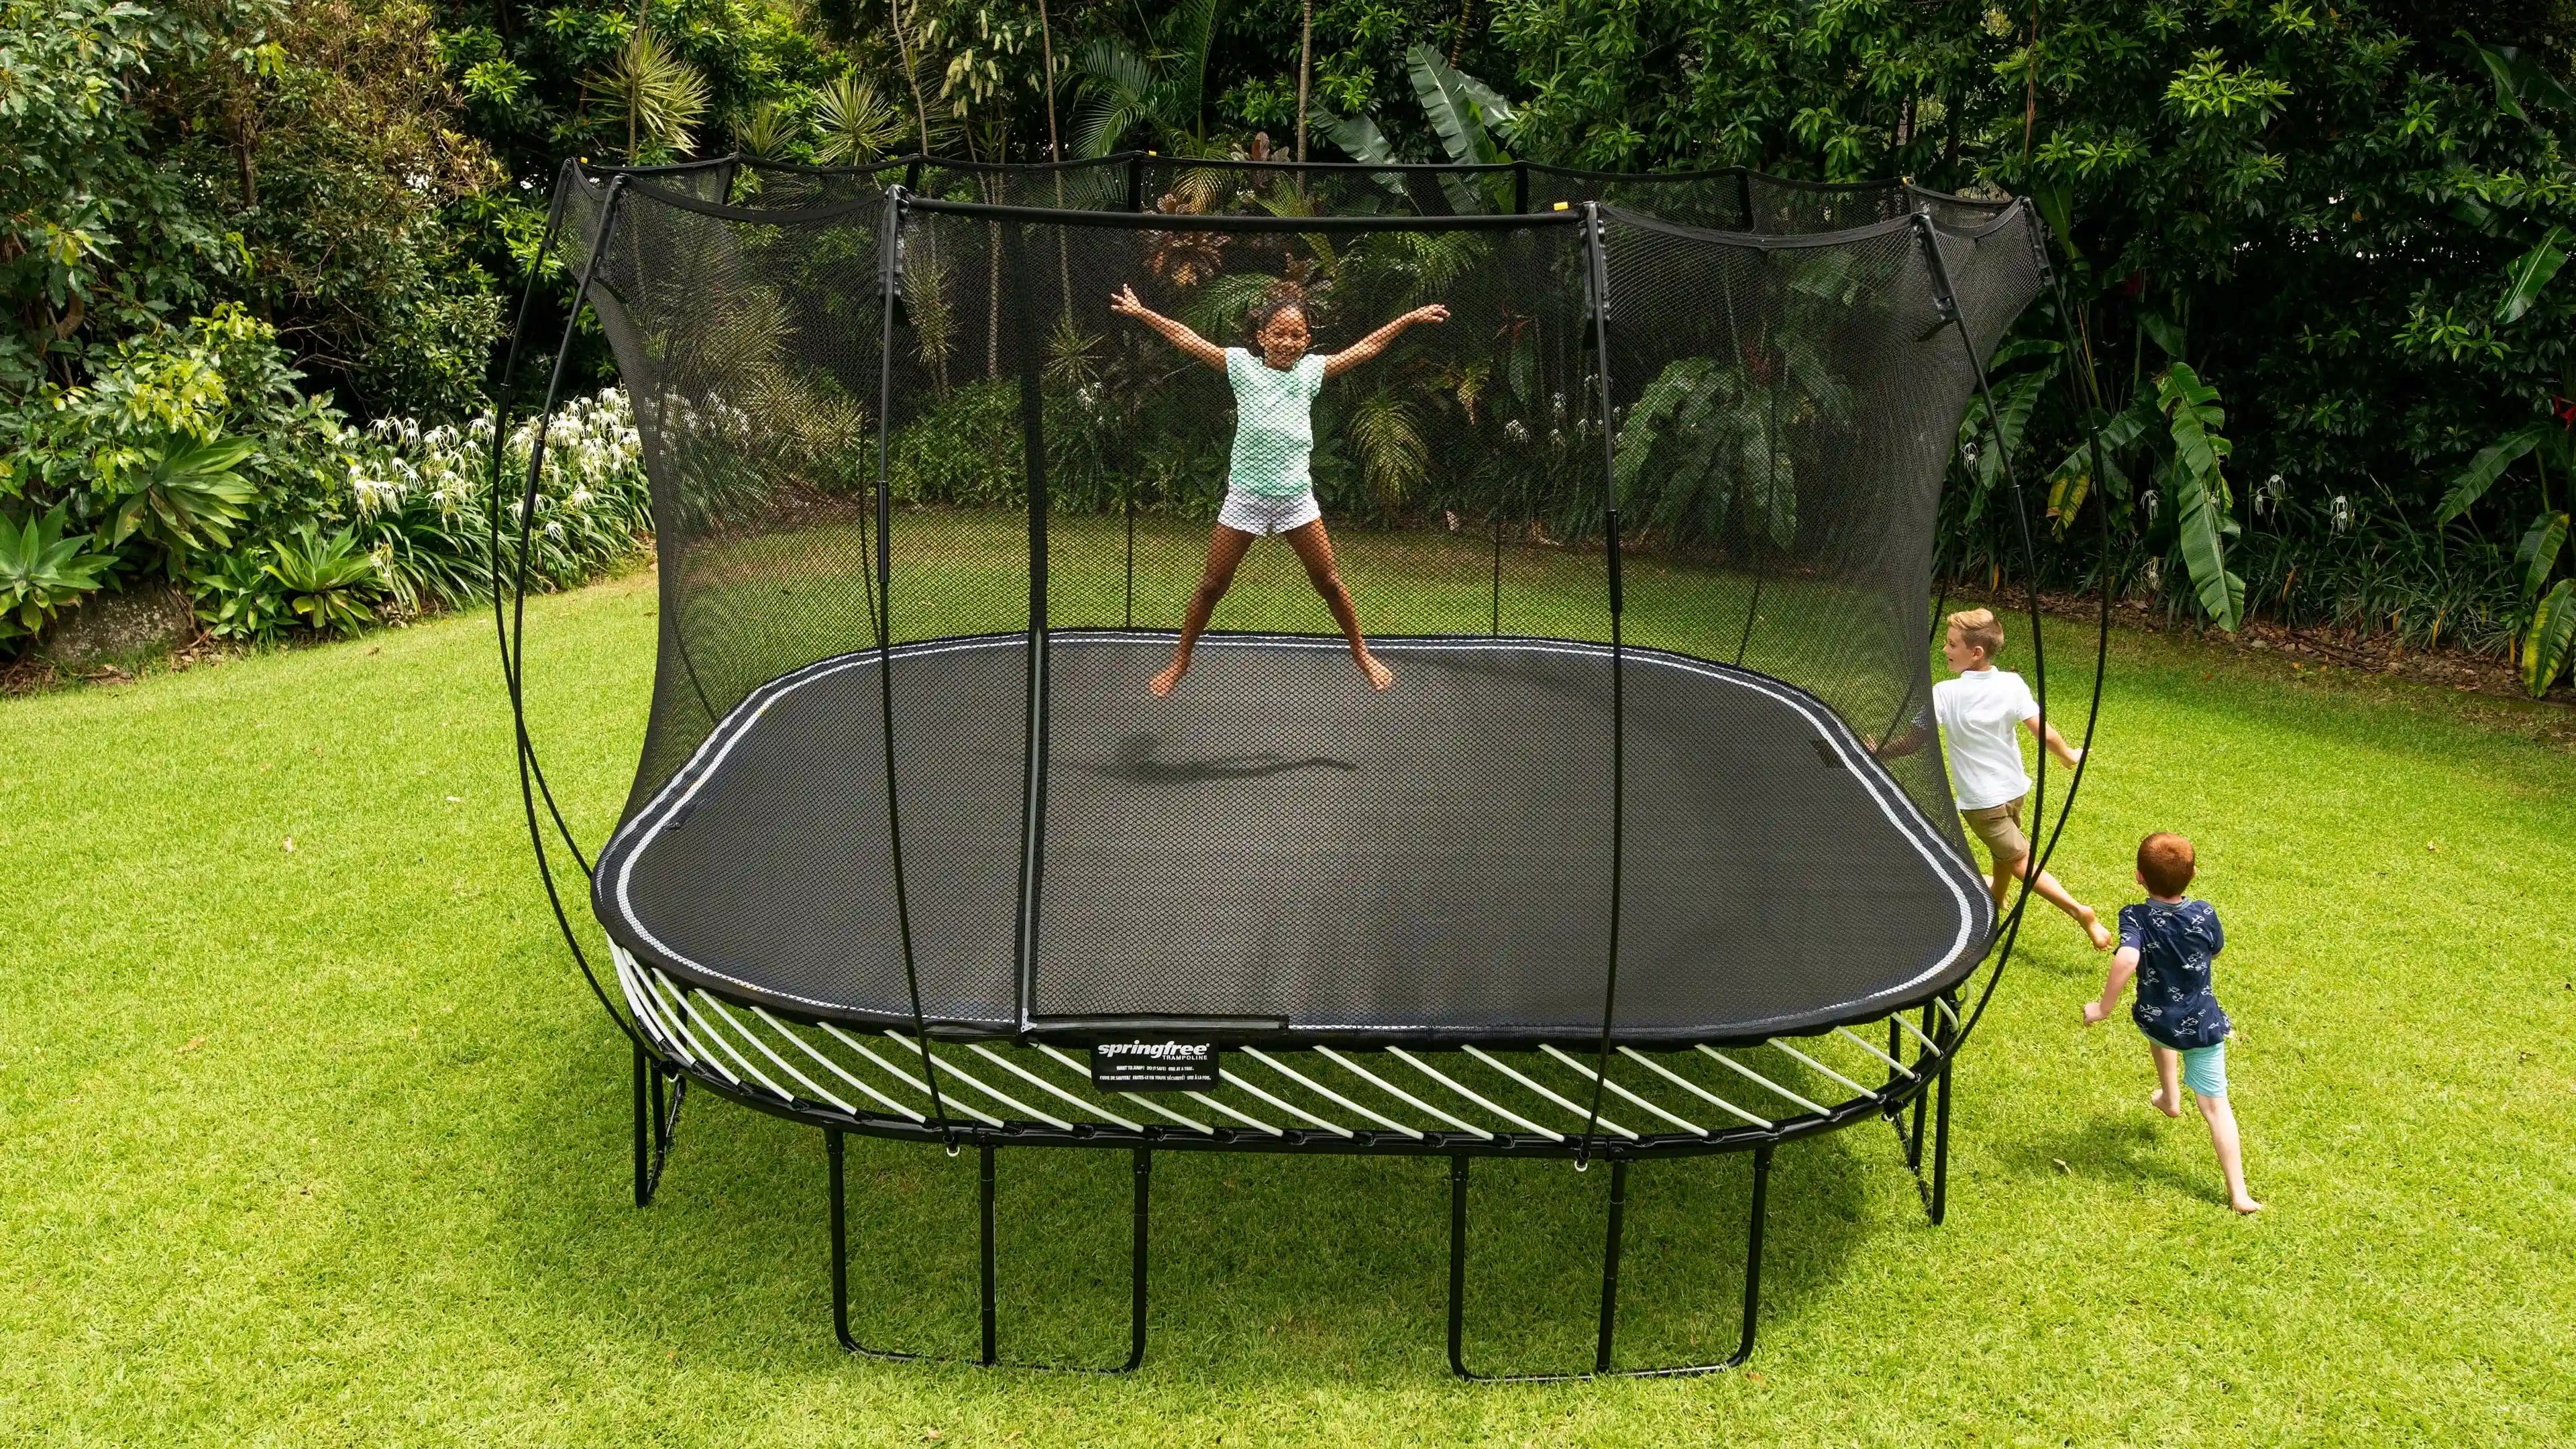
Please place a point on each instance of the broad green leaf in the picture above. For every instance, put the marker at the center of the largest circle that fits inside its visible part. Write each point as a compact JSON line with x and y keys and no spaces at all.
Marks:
{"x":2485,"y":468}
{"x":2199,"y":490}
{"x":2057,"y":207}
{"x":1360,"y":139}
{"x":216,"y":456}
{"x":2518,"y":78}
{"x":1453,"y":111}
{"x":2166,"y":334}
{"x":2552,"y":635}
{"x":2539,"y":551}
{"x":2531,"y":272}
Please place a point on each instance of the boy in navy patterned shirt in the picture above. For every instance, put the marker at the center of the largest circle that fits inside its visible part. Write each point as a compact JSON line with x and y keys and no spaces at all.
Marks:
{"x":2170,"y":944}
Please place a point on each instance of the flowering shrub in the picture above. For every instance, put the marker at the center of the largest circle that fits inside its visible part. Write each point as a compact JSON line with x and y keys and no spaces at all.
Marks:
{"x":423,"y":501}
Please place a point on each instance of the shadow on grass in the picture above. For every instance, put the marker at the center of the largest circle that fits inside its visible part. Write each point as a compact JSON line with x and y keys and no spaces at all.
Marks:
{"x":2129,"y":1148}
{"x":1263,"y":1265}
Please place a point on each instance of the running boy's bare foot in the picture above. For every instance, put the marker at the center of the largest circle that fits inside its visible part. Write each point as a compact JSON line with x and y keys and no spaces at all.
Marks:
{"x":1379,"y":676}
{"x":2246,"y":1205}
{"x":2156,"y":1099}
{"x":1170,"y":678}
{"x":2091,"y":920}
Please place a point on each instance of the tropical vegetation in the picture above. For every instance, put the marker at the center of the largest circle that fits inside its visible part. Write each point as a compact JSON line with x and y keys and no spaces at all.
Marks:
{"x":2307,"y":356}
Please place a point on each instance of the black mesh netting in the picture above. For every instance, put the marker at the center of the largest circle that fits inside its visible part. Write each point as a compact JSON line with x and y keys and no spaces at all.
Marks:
{"x":978,"y":505}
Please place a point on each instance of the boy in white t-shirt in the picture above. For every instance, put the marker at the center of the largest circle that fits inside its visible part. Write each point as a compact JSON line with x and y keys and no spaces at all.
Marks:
{"x":1977,"y":713}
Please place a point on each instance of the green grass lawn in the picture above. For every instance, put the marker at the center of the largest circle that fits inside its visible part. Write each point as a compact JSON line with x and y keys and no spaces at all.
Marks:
{"x":329,"y":1145}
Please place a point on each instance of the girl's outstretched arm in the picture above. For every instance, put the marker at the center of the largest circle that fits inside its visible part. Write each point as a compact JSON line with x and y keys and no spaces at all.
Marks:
{"x":1179,"y":334}
{"x":1375,"y":343}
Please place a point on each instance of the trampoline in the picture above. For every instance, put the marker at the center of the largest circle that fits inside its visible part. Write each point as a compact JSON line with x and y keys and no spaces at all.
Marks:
{"x":1612,"y":871}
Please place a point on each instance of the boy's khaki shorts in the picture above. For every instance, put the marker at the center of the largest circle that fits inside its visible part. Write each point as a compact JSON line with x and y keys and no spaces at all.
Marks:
{"x":1999,"y":826}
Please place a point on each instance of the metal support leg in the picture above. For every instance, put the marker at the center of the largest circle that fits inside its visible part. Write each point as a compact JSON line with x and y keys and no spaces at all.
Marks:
{"x":1940,"y":1203}
{"x":992,"y":1354}
{"x":1458,"y":1265}
{"x":1914,"y":1141}
{"x":1753,"y":1254}
{"x":644,"y":1115}
{"x":1136,"y":1263}
{"x":657,"y":1113}
{"x":1601,"y":1356}
{"x":988,"y":1348}
{"x":1610,"y":1265}
{"x":840,"y":1248}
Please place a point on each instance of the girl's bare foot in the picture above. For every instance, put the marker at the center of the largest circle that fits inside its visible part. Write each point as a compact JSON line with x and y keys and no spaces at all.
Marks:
{"x":2091,"y":920}
{"x":1170,"y":678}
{"x":2246,"y":1205}
{"x":1379,"y":676}
{"x":2157,"y":1100}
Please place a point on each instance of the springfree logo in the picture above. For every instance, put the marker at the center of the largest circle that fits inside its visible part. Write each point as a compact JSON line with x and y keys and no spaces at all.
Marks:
{"x":1171,"y":1066}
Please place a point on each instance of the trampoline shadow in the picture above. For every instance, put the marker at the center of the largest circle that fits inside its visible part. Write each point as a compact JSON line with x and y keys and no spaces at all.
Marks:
{"x":1264,"y":1266}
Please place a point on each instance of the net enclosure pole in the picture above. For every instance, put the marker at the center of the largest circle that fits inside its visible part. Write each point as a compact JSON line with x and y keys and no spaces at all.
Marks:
{"x":889,"y":283}
{"x":1945,"y":301}
{"x":1021,"y":277}
{"x":1596,"y":278}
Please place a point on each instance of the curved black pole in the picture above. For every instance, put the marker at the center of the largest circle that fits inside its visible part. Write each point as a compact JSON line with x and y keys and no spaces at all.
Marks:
{"x":513,"y":626}
{"x":889,"y":278}
{"x":1597,"y":282}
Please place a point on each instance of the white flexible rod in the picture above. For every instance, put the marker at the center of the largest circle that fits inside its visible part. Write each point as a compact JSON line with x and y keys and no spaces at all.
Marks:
{"x":802,"y":1080}
{"x":1797,"y":1055}
{"x":1043,"y":1085}
{"x":1516,"y":1119}
{"x":1762,"y":1081}
{"x":907,"y":1078}
{"x":1023,"y":1108}
{"x":1694,"y":1088}
{"x":1329,"y":1095}
{"x":1588,"y":1075}
{"x":836,"y":1069}
{"x":1399,"y":1094}
{"x":1544,"y":1092}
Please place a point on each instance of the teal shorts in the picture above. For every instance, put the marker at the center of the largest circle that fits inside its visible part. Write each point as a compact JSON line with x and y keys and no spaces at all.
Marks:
{"x":2204,"y":1070}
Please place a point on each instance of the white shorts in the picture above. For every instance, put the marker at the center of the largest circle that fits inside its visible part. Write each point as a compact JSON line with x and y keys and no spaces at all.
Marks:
{"x":1265,"y":517}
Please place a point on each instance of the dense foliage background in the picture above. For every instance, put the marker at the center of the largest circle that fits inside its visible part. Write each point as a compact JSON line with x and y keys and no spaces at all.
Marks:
{"x":255,"y":254}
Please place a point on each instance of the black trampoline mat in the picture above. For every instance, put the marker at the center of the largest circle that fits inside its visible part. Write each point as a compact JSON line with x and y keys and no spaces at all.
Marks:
{"x":1281,"y":850}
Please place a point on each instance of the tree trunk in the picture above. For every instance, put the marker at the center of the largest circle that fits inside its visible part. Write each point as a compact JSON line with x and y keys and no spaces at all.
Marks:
{"x":911,"y":73}
{"x":1055,"y":146}
{"x":1305,"y":73}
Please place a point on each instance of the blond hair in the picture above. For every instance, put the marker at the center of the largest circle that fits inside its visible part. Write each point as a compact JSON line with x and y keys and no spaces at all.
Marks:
{"x":1979,"y":629}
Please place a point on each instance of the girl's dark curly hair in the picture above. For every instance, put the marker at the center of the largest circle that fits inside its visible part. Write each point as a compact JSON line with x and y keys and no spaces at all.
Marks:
{"x":1285,"y":297}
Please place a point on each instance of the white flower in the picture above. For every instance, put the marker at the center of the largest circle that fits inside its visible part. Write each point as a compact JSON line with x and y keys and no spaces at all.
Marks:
{"x":1516,"y":430}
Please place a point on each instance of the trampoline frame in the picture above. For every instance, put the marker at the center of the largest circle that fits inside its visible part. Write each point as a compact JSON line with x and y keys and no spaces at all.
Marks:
{"x":667,"y":1055}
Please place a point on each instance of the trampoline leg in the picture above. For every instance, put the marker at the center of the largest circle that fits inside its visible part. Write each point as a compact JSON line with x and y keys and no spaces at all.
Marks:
{"x":1601,"y":1356}
{"x":644,"y":1115}
{"x":991,"y":1355}
{"x":1610,"y":1265}
{"x":1753,"y":1254}
{"x":1940,"y":1201}
{"x":840,"y":1246}
{"x":1136,"y":1264}
{"x":1458,"y":1265}
{"x":1914,"y":1143}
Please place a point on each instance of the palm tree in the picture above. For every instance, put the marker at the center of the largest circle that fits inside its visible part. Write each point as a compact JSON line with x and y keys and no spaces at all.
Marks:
{"x":1161,"y":89}
{"x":659,"y":96}
{"x":857,"y":124}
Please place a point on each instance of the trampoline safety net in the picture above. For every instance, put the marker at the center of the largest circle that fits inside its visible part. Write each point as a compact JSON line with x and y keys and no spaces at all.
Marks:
{"x":1643,"y":530}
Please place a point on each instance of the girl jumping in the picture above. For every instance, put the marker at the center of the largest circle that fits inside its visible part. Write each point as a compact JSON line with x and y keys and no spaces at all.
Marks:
{"x":1268,"y":489}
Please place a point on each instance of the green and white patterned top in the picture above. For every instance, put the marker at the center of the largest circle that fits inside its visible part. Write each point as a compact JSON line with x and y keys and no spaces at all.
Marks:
{"x":1274,"y":429}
